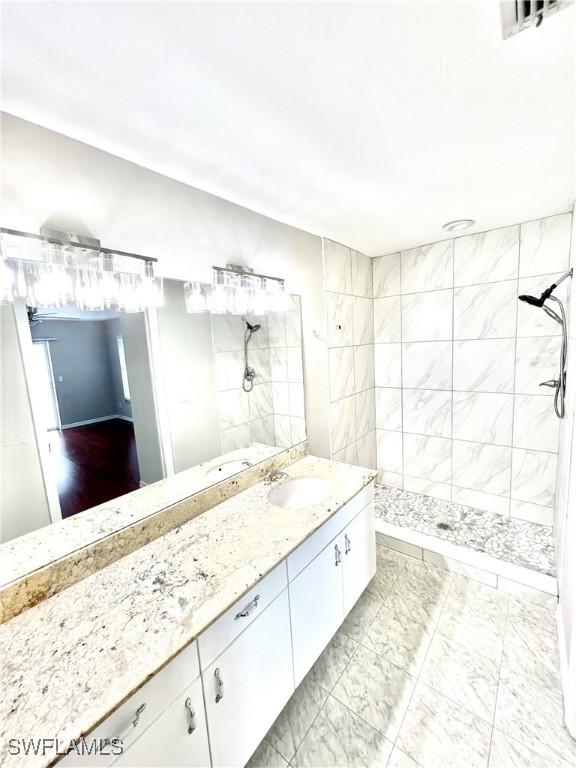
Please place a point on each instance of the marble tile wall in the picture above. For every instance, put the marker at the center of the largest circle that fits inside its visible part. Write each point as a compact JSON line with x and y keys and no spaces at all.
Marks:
{"x":350,"y":340}
{"x":273,"y":412}
{"x":458,"y":362}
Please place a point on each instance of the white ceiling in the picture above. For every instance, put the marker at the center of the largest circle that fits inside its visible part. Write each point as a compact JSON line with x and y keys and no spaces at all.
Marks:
{"x":372,"y":124}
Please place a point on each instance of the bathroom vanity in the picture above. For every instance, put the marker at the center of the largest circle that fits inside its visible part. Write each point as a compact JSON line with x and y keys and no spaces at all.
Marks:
{"x":187,"y":649}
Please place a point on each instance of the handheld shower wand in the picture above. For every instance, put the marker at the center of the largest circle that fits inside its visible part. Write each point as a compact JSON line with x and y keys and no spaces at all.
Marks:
{"x":249,"y":373}
{"x":559,"y":384}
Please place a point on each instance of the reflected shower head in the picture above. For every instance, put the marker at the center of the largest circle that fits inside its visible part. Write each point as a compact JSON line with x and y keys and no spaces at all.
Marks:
{"x":252,"y":328}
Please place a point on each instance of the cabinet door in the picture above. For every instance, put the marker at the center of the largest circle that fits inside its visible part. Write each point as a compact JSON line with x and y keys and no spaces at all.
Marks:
{"x":359,"y":555}
{"x":177,"y":738}
{"x":247,"y":686}
{"x":316,"y":606}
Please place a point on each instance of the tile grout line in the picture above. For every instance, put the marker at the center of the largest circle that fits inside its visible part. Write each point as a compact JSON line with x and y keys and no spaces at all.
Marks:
{"x":452,"y":387}
{"x":514,"y":379}
{"x":499,"y":678}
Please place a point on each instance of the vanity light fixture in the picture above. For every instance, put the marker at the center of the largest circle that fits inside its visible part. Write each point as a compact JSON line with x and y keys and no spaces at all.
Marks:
{"x":54,"y":269}
{"x":458,"y":224}
{"x":238,"y":291}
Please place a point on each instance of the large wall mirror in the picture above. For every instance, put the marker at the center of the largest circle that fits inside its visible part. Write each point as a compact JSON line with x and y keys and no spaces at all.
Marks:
{"x":122,"y":400}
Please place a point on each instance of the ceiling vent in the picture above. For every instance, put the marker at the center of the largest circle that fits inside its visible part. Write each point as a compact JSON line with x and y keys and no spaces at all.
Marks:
{"x":518,"y":15}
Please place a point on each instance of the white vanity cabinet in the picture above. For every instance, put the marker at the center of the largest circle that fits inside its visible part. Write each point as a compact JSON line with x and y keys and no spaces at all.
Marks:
{"x":359,"y":556}
{"x":247,"y":686}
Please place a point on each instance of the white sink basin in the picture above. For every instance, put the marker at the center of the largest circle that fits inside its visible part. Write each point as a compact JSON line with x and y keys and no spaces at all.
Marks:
{"x":227,"y":469}
{"x":299,"y":492}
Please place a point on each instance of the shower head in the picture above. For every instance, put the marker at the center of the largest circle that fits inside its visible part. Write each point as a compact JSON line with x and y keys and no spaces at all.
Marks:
{"x":532,"y":300}
{"x":252,"y":328}
{"x":539,"y":302}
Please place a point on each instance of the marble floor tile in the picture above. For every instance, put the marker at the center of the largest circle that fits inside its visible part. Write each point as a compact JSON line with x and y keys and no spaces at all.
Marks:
{"x":293,"y":722}
{"x":531,"y":645}
{"x":506,"y":752}
{"x":463,"y":676}
{"x":333,"y":661}
{"x":438,"y":733}
{"x":339,"y":738}
{"x":375,"y":690}
{"x":417,"y":598}
{"x":532,"y":714}
{"x":360,"y":618}
{"x":476,"y":630}
{"x":398,"y":639}
{"x":266,"y":757}
{"x":399,"y":759}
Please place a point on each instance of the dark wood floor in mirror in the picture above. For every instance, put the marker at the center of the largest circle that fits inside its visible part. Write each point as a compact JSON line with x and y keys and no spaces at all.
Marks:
{"x":94,"y":463}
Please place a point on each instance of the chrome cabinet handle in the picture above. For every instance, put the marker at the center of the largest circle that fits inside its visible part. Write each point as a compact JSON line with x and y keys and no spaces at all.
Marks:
{"x":219,"y":685}
{"x":337,"y":555}
{"x":191,"y":715}
{"x":248,"y":609}
{"x":348,"y":544}
{"x":139,"y":711}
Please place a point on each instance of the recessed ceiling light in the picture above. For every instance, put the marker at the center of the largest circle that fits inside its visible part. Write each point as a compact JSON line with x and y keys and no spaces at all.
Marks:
{"x":458,"y":224}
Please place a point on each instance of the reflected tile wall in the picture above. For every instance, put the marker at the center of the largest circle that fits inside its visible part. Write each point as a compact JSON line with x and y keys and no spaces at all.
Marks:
{"x":458,"y":362}
{"x":351,"y":329}
{"x":273,"y":412}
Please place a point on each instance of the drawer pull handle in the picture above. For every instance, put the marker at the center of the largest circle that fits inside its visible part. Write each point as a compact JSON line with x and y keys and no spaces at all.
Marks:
{"x":191,"y":715}
{"x":248,"y":609}
{"x":219,"y":685}
{"x":348,"y":544}
{"x":337,"y":555}
{"x":139,"y":711}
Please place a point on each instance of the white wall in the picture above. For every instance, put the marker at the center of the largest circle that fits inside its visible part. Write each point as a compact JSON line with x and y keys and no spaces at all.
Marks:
{"x":47,"y":176}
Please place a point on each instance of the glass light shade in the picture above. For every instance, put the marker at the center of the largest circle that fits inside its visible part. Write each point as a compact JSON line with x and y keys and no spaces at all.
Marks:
{"x":196,"y":297}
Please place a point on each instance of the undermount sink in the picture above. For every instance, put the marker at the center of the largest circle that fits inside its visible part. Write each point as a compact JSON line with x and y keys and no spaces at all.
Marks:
{"x":299,"y":492}
{"x":227,"y":469}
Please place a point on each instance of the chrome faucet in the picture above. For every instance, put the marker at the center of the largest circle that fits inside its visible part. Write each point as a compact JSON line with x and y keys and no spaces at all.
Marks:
{"x":275,"y":475}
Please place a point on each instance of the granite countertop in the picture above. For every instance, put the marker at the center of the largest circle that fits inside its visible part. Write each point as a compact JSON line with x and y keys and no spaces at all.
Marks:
{"x":71,"y":660}
{"x":39,"y":548}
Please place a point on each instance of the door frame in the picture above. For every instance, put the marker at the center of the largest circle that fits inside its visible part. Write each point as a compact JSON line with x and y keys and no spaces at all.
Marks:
{"x":48,"y":352}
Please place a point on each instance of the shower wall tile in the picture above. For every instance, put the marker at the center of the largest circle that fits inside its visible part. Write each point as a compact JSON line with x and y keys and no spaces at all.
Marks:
{"x":229,"y":368}
{"x":428,"y":487}
{"x":427,"y":412}
{"x":534,"y":513}
{"x":427,"y":268}
{"x":259,"y":359}
{"x":486,"y":311}
{"x":261,"y":401}
{"x":363,"y":316}
{"x":259,"y":340}
{"x":365,"y":413}
{"x":533,"y":476}
{"x":389,"y":409}
{"x":343,"y":419}
{"x":293,"y":328}
{"x":341,"y":366}
{"x":536,"y":361}
{"x":427,"y":365}
{"x":227,"y":333}
{"x":278,"y":364}
{"x":482,"y":467}
{"x":499,"y":505}
{"x":294,"y":363}
{"x":361,"y":275}
{"x":389,"y":448}
{"x":483,"y":418}
{"x":545,"y":245}
{"x":233,"y":408}
{"x":388,"y":365}
{"x":282,"y":430}
{"x":281,"y":397}
{"x":276,"y":329}
{"x":427,"y":316}
{"x":536,"y":426}
{"x":427,"y":457}
{"x":363,"y":367}
{"x":386,"y":275}
{"x":236,"y":437}
{"x":486,"y":365}
{"x":533,"y":321}
{"x":487,"y":256}
{"x":262,"y":431}
{"x":348,"y":455}
{"x":340,"y":319}
{"x":387,"y":320}
{"x":462,"y":386}
{"x":337,"y":267}
{"x":366,"y":447}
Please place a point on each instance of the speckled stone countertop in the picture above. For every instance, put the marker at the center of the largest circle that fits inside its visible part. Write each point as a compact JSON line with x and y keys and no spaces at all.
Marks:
{"x":38,"y":548}
{"x":517,"y":541}
{"x":70,"y":661}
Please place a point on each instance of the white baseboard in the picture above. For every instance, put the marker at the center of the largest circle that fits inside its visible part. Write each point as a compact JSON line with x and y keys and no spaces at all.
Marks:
{"x":96,"y":421}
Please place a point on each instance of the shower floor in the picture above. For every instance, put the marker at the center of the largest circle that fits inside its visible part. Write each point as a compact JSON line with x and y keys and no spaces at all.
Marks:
{"x":519,"y":543}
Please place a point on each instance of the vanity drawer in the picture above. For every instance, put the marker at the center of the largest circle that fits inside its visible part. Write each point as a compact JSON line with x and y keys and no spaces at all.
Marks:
{"x":219,"y":635}
{"x":308,"y":550}
{"x":133,"y":717}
